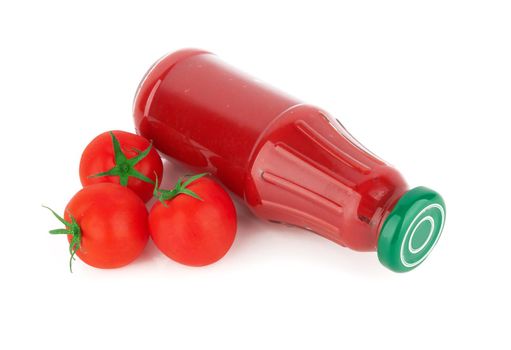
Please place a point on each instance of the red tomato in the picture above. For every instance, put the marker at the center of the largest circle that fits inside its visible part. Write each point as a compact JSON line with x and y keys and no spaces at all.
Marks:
{"x":108,"y":223}
{"x":193,"y":231}
{"x":124,"y":158}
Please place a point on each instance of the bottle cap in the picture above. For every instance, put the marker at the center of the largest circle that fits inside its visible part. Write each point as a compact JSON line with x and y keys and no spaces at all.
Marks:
{"x":411,"y":230}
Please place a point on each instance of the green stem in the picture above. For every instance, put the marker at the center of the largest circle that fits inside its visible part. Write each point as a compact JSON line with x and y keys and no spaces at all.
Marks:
{"x":73,"y":229}
{"x":179,"y":188}
{"x":124,"y":167}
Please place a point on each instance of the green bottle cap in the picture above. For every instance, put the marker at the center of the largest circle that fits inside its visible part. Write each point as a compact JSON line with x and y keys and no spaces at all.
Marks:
{"x":411,"y":230}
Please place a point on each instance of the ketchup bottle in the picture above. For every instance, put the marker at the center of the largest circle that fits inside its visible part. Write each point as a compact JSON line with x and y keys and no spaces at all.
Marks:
{"x":291,"y":162}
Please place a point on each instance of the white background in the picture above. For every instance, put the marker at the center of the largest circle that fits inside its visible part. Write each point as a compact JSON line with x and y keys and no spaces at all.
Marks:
{"x":425,"y":85}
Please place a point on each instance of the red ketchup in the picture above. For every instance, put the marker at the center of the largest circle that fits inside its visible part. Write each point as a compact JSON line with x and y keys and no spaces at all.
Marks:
{"x":291,"y":162}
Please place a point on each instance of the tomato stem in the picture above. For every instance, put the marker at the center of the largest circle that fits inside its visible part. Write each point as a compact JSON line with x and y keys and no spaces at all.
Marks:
{"x":73,"y":229}
{"x":124,"y":167}
{"x":179,"y":188}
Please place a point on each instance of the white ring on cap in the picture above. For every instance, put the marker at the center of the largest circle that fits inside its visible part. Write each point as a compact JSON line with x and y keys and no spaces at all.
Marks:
{"x":442,"y":214}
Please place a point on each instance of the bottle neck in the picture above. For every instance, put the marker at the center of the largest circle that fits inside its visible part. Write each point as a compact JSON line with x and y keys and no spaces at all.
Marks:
{"x":307,"y":172}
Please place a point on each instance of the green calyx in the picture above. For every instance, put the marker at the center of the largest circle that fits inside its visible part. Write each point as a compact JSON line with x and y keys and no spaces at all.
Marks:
{"x":180,"y":188}
{"x":73,"y":229}
{"x":124,"y":167}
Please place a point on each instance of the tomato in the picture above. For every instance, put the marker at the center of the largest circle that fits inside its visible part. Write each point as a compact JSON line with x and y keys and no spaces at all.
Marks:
{"x":106,"y":225}
{"x":194,"y":224}
{"x":123,"y":158}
